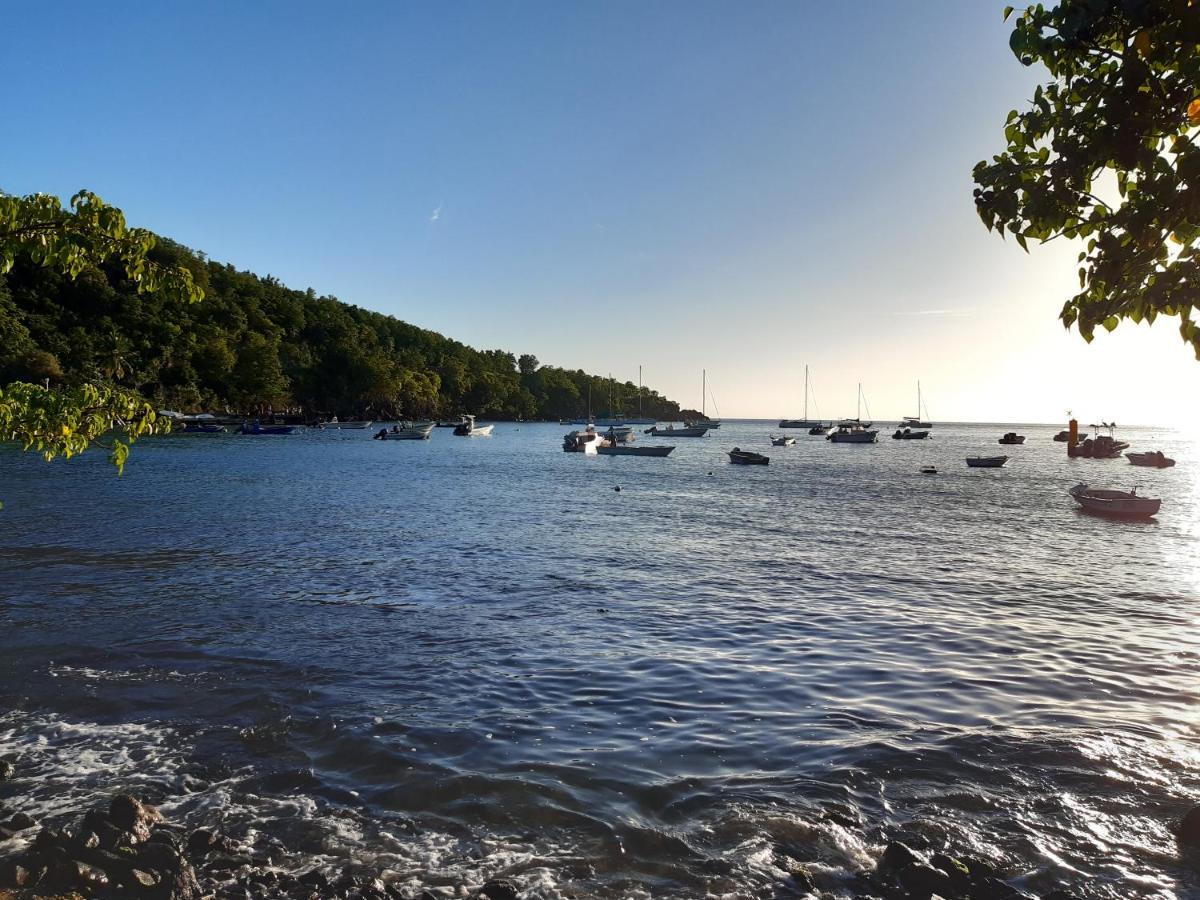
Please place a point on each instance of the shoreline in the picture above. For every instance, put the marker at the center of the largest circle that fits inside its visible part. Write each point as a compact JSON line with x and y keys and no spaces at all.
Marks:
{"x":128,"y":849}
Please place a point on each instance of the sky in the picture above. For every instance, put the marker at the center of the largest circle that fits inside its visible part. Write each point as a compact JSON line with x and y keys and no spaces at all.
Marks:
{"x":742,"y":188}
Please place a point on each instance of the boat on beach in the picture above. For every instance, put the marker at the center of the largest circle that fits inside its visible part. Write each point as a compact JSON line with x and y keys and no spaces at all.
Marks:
{"x":986,"y":462}
{"x":1012,"y":437}
{"x":1154,"y":459}
{"x":1120,"y":504}
{"x":468,"y":428}
{"x":747,"y":458}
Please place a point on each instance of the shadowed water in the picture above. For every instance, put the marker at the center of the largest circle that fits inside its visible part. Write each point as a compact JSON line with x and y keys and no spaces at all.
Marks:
{"x":464,"y":658}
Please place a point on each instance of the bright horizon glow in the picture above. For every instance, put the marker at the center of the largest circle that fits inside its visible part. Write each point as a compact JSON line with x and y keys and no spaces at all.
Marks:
{"x":679,"y":186}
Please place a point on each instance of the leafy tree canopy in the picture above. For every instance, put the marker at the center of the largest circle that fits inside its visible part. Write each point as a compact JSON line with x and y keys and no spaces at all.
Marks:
{"x":1107,"y":153}
{"x":37,"y":230}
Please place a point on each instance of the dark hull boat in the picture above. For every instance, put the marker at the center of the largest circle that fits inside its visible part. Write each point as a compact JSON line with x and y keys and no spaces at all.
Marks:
{"x":747,"y":458}
{"x":909,"y":434}
{"x":628,"y":450}
{"x":1012,"y":438}
{"x":256,"y":428}
{"x":986,"y":462}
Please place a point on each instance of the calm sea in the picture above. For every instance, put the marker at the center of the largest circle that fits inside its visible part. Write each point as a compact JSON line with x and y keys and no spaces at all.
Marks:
{"x":467,"y":658}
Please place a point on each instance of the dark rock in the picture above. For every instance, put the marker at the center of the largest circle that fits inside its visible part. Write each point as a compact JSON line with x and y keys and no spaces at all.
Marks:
{"x":959,"y":874}
{"x":6,"y":834}
{"x":978,"y":869}
{"x":1188,"y":830}
{"x":179,"y":885}
{"x":7,"y":770}
{"x":315,"y":878}
{"x":897,"y":856}
{"x":224,"y":862}
{"x":15,"y":875}
{"x":989,"y":888}
{"x":142,"y":878}
{"x":51,"y":842}
{"x":126,"y":811}
{"x":499,"y":889}
{"x":924,"y":881}
{"x":159,"y":857}
{"x":20,"y":821}
{"x":200,"y":843}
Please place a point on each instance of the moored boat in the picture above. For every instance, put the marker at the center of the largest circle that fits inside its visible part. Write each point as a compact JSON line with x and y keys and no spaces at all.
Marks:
{"x":1122,"y":504}
{"x":1103,"y":446}
{"x":607,"y":449}
{"x":853,"y":432}
{"x":686,"y":431}
{"x":201,"y":428}
{"x":986,"y":462}
{"x":1063,"y":436}
{"x":747,"y":458}
{"x":468,"y":428}
{"x":909,"y":434}
{"x":585,"y":440}
{"x":257,"y":427}
{"x":348,"y":425}
{"x":406,"y":432}
{"x":1011,"y":437}
{"x":1154,"y":459}
{"x":782,"y":441}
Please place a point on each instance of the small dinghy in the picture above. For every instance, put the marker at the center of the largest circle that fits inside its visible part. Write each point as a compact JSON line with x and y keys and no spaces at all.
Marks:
{"x":909,"y":434}
{"x":1120,"y":504}
{"x":782,"y":441}
{"x":1154,"y":459}
{"x":747,"y":458}
{"x":928,"y":470}
{"x":1012,"y":438}
{"x":986,"y":462}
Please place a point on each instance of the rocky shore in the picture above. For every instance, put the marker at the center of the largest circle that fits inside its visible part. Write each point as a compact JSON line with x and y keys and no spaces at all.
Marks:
{"x":128,"y":850}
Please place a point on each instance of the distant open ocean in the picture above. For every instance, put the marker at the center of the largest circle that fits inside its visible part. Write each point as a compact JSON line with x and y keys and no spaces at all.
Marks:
{"x":457,"y":659}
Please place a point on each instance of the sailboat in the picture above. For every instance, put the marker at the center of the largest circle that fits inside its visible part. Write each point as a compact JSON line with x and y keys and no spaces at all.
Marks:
{"x":615,"y":421}
{"x":853,"y":431}
{"x":817,"y":427}
{"x":705,"y":420}
{"x":916,"y":421}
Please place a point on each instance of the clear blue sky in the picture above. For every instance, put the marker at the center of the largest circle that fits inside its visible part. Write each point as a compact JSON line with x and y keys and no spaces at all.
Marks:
{"x":742,"y":187}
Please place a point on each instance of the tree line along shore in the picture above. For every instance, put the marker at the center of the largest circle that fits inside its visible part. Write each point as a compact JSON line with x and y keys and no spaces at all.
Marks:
{"x":254,"y":344}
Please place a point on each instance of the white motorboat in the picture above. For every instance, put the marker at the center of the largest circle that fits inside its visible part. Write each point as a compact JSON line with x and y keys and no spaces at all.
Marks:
{"x":782,"y":441}
{"x":1115,"y":503}
{"x":418,"y":431}
{"x":986,"y":462}
{"x":585,"y":440}
{"x":1154,"y":459}
{"x":855,"y":433}
{"x":351,"y":424}
{"x":468,"y":428}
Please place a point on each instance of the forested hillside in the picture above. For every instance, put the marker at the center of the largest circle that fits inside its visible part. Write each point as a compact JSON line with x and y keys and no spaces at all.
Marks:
{"x":254,"y":343}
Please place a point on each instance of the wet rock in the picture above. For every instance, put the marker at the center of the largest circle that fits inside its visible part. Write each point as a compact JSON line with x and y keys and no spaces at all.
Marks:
{"x":51,"y":842}
{"x":978,"y":869}
{"x":201,"y":842}
{"x":132,"y":816}
{"x":14,"y":874}
{"x":897,"y":856}
{"x":7,"y":770}
{"x":988,"y":888}
{"x":20,"y":821}
{"x":1188,"y":831}
{"x":159,"y":856}
{"x":180,"y":884}
{"x":315,"y":878}
{"x":924,"y":881}
{"x":498,"y":889}
{"x":6,"y":834}
{"x":957,"y":871}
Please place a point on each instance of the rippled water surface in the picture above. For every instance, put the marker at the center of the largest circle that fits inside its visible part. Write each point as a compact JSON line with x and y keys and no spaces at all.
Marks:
{"x":464,"y":658}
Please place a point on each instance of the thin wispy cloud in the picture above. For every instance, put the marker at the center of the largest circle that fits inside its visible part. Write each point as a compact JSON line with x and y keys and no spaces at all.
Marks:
{"x":436,"y":214}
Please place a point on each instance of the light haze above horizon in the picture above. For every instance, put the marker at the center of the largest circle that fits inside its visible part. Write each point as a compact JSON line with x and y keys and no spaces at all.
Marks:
{"x":743,"y":188}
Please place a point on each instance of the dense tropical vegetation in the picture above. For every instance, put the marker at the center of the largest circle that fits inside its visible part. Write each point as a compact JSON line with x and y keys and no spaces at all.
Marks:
{"x":255,"y":346}
{"x":1107,"y":153}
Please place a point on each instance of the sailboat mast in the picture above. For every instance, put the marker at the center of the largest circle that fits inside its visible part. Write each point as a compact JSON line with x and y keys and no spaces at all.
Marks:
{"x":704,"y":393}
{"x":918,"y":398}
{"x":639,"y":392}
{"x":858,"y":411}
{"x":806,"y":393}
